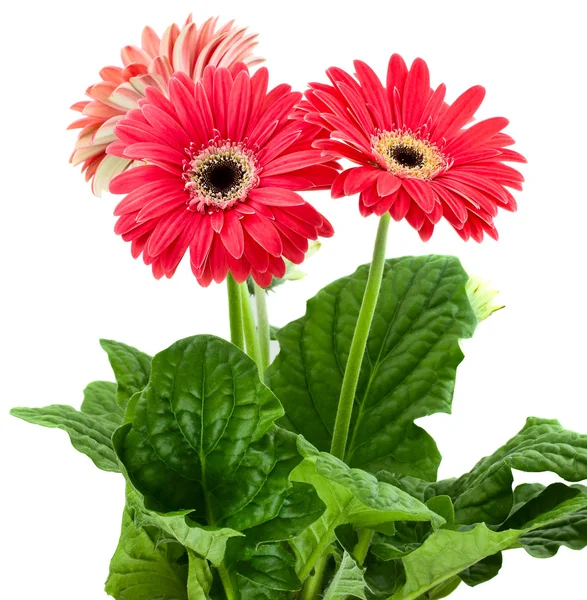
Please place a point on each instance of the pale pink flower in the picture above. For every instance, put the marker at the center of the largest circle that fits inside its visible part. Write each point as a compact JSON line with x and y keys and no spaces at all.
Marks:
{"x":189,"y":49}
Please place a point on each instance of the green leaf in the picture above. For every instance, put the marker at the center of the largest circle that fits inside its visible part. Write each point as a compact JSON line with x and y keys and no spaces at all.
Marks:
{"x":569,"y":531}
{"x":90,"y":430}
{"x":203,"y":439}
{"x":348,"y":581}
{"x":444,"y":589}
{"x":383,"y":578}
{"x":140,"y":570}
{"x":408,"y":371}
{"x":483,"y":571}
{"x":485,"y":494}
{"x":351,"y":496}
{"x":199,"y":578}
{"x":447,"y":553}
{"x":207,"y":542}
{"x":131,"y":369}
{"x":100,"y":401}
{"x":269,"y":571}
{"x":557,"y":515}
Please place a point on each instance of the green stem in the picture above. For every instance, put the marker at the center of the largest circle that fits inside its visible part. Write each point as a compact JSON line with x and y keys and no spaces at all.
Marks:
{"x":235,"y":312}
{"x":226,"y":582}
{"x":263,"y":325}
{"x":362,"y":547}
{"x":313,"y":585}
{"x":357,"y":351}
{"x":251,"y":337}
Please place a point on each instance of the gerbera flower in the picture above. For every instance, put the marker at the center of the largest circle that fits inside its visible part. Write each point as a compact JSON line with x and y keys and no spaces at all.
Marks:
{"x":417,"y":159}
{"x":223,"y":164}
{"x":189,"y":50}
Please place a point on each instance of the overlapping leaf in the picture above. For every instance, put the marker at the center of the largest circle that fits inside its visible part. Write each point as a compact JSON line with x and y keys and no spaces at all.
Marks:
{"x":203,"y":440}
{"x":131,"y":369}
{"x":408,"y":371}
{"x":351,"y":496}
{"x":485,"y":493}
{"x":142,"y":570}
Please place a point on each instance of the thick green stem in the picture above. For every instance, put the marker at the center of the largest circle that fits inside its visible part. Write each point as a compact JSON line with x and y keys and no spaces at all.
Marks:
{"x":263,"y":325}
{"x":313,"y":585}
{"x":362,"y":546}
{"x":226,"y":582}
{"x":353,"y":366}
{"x":235,"y":312}
{"x":251,"y":338}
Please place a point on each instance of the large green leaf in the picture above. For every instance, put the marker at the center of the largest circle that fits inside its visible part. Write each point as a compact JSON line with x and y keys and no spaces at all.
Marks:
{"x":90,"y":430}
{"x":347,"y":582}
{"x":351,"y":496}
{"x":142,"y":570}
{"x":131,"y":369}
{"x":485,"y":494}
{"x":408,"y":371}
{"x":203,"y":439}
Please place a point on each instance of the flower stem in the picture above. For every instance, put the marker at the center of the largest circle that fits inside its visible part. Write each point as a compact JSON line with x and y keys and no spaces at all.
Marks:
{"x":313,"y":584}
{"x":353,"y":366}
{"x":263,"y":326}
{"x":362,"y":546}
{"x":251,"y":338}
{"x":226,"y":582}
{"x":235,"y":312}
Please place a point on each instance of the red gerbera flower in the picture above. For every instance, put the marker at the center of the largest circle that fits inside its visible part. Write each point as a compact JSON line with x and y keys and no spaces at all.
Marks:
{"x":189,"y":49}
{"x":418,"y":161}
{"x":223,"y":161}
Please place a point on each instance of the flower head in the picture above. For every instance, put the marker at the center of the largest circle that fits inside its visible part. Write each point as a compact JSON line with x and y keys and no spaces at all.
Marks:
{"x":221,"y":162}
{"x":417,"y":157}
{"x":189,"y":50}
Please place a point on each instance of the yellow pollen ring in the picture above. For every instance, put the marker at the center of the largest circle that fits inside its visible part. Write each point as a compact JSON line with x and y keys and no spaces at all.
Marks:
{"x":405,"y":154}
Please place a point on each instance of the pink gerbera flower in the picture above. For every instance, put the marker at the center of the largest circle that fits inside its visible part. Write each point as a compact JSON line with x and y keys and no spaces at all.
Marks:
{"x":223,"y":164}
{"x":417,"y":159}
{"x":189,"y":50}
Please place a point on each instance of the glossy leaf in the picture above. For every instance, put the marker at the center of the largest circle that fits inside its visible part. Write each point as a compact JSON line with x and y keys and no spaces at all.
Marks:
{"x":203,"y":440}
{"x":131,"y":369}
{"x":408,"y":371}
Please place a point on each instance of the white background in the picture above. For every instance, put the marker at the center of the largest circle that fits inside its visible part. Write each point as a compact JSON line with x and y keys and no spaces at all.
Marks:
{"x":68,"y":280}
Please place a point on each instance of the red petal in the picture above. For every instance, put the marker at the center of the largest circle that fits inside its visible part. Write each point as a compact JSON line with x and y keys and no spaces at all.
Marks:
{"x":421,"y":192}
{"x":231,"y":234}
{"x":263,"y":232}
{"x":387,"y":183}
{"x":274,"y":196}
{"x":359,"y":179}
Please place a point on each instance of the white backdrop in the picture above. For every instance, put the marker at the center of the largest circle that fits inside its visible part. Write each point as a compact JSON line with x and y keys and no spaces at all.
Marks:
{"x":68,"y":280}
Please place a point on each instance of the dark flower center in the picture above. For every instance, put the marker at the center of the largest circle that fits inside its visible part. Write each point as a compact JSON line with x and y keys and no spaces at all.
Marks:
{"x":219,"y":176}
{"x":222,"y":176}
{"x":407,"y":157}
